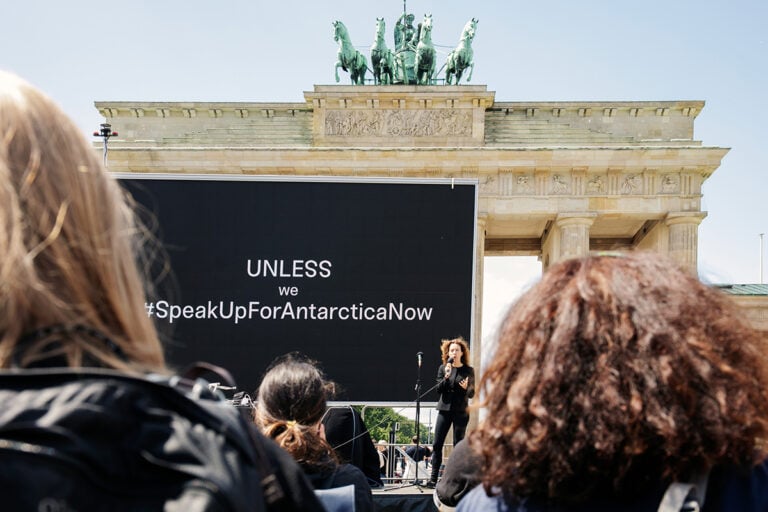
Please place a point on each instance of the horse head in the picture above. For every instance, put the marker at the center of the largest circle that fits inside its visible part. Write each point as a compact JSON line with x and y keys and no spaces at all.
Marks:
{"x":426,"y":25}
{"x":339,"y":30}
{"x":469,"y":29}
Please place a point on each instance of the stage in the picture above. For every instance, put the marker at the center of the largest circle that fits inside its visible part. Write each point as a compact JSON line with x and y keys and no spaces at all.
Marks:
{"x":403,"y":498}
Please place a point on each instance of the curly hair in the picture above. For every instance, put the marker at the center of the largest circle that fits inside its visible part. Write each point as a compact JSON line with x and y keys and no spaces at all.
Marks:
{"x":613,"y":372}
{"x":291,"y":403}
{"x":445,"y":345}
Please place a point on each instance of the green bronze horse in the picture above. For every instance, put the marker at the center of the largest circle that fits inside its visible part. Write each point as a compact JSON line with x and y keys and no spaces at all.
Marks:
{"x":349,"y":59}
{"x":381,"y":57}
{"x":461,"y":57}
{"x":425,"y":53}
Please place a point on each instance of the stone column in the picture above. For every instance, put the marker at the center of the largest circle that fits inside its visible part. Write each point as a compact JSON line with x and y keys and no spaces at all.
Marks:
{"x":684,"y":238}
{"x":477,"y":339}
{"x":573,"y":231}
{"x":477,"y":331}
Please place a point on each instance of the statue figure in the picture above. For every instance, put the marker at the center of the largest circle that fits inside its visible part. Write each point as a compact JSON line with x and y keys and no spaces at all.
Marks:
{"x":424,"y":64}
{"x":349,"y":59}
{"x":404,"y":32}
{"x":461,"y":57}
{"x":381,"y":57}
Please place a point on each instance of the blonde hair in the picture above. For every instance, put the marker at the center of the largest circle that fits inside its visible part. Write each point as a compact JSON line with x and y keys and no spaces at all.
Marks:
{"x":69,"y":280}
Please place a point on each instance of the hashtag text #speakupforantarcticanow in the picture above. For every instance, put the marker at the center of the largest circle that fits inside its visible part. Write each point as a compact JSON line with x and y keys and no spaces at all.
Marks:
{"x":255,"y":310}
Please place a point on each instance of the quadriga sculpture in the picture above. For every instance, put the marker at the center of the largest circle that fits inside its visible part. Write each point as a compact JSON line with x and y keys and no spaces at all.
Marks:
{"x":381,"y":57}
{"x":425,"y":53}
{"x":461,"y":57}
{"x":348,"y":58}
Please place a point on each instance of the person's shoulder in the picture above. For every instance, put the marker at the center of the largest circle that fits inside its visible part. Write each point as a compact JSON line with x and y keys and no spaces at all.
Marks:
{"x":291,"y":477}
{"x":478,"y":501}
{"x":338,"y":415}
{"x":349,"y":474}
{"x":464,"y":456}
{"x":735,"y":488}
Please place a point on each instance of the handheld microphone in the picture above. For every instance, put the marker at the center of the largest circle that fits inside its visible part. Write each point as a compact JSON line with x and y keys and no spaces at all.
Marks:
{"x":418,"y":356}
{"x":450,"y":360}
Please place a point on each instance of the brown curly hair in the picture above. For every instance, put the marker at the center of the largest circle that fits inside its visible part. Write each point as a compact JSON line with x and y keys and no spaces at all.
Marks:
{"x":616,"y":371}
{"x":445,"y":345}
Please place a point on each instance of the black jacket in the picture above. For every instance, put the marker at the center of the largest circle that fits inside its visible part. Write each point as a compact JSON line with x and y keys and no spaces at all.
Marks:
{"x":346,"y":432}
{"x":330,"y":476}
{"x":451,"y":396}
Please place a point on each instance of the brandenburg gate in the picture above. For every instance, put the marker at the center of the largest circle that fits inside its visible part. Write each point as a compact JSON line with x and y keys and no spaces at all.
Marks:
{"x":556,"y":179}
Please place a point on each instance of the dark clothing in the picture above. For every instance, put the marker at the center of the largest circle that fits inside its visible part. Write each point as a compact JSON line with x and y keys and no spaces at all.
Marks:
{"x":292,"y":479}
{"x":346,"y":432}
{"x":422,"y":453}
{"x":461,"y":475}
{"x":383,"y":464}
{"x":98,"y":439}
{"x":445,"y":419}
{"x":340,"y":475}
{"x":452,"y":406}
{"x":451,"y":396}
{"x":729,"y":490}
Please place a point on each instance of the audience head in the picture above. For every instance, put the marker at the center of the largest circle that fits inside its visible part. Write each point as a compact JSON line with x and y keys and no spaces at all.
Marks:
{"x":291,"y":403}
{"x":71,"y":287}
{"x":445,"y":347}
{"x":616,"y":370}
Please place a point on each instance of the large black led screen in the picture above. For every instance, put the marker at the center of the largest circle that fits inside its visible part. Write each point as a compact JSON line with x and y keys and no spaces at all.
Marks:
{"x":359,"y":275}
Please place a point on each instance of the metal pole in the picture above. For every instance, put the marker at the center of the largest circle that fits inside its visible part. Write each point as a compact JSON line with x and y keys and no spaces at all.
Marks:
{"x":418,"y":407}
{"x":761,"y":257}
{"x":105,"y":132}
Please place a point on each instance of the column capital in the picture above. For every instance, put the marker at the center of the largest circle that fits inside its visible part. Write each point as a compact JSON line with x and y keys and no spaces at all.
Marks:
{"x":683,"y":237}
{"x":575,"y":219}
{"x":573,"y":234}
{"x":674,"y":218}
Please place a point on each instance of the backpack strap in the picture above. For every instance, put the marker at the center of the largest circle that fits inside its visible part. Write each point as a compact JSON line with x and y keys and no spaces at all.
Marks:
{"x":685,"y":496}
{"x":271,"y":488}
{"x":202,"y":369}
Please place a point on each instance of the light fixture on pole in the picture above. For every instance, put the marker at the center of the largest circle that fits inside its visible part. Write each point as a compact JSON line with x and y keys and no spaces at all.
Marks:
{"x":105,"y":132}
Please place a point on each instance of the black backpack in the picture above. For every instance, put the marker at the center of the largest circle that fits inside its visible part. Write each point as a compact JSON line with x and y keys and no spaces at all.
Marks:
{"x":99,"y":440}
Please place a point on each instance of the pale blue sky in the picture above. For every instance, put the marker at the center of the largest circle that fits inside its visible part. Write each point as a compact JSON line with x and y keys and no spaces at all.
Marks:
{"x":549,"y":50}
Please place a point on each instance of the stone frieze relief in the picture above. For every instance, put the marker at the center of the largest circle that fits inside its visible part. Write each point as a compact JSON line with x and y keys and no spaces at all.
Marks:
{"x":670,"y":184}
{"x":399,"y":123}
{"x":559,"y":185}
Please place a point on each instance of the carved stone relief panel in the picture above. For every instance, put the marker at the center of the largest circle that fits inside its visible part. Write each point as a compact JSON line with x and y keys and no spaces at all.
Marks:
{"x":631,"y":184}
{"x":560,"y":185}
{"x":489,"y":185}
{"x":670,"y":184}
{"x":399,"y":123}
{"x":596,"y":185}
{"x":523,"y":184}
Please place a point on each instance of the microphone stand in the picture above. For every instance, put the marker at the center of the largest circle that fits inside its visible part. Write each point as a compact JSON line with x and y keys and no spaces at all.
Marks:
{"x":419,"y":396}
{"x":418,"y":410}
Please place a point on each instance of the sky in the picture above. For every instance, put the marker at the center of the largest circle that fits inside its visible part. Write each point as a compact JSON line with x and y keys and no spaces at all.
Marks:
{"x":549,"y":50}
